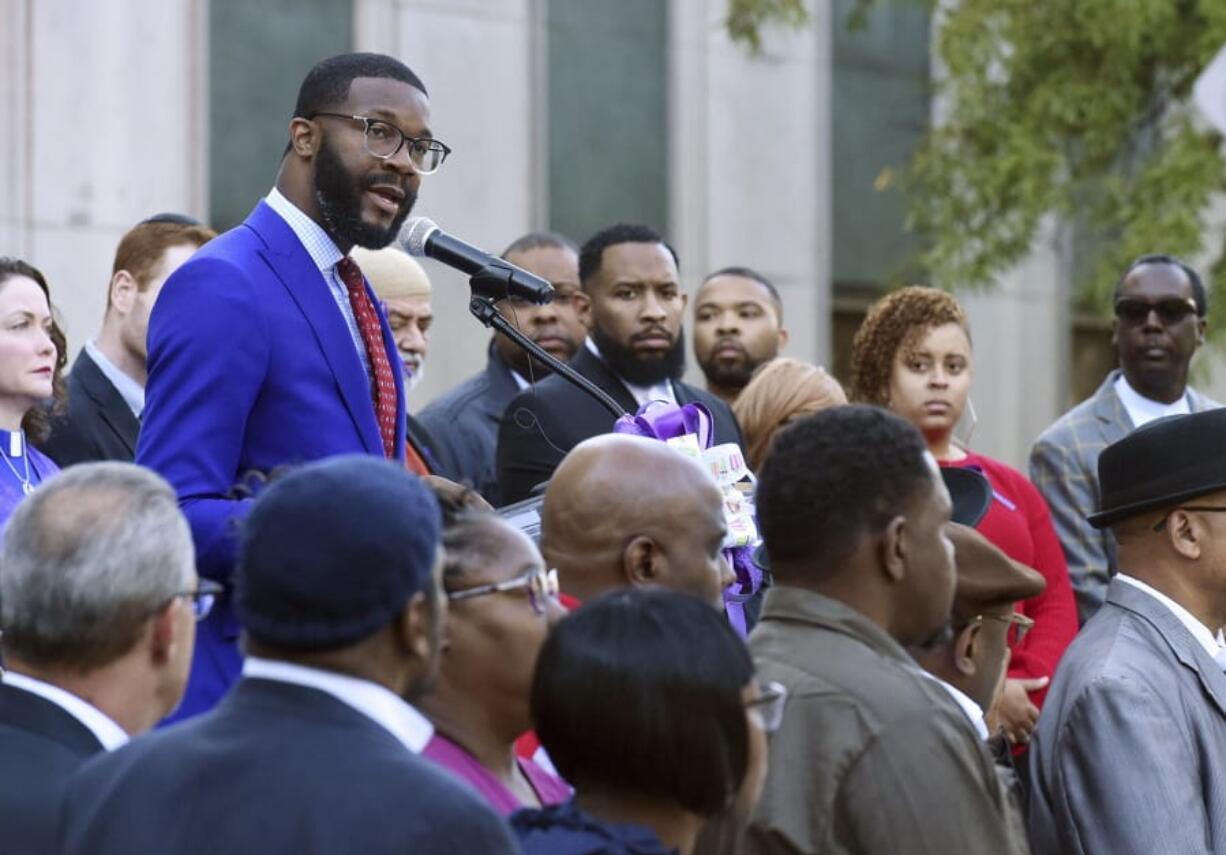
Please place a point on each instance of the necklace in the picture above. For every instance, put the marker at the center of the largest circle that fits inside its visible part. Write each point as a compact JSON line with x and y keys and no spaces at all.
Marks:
{"x":26,"y":487}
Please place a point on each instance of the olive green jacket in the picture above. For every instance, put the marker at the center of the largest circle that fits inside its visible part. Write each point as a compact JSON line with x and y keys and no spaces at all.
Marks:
{"x":872,"y":757}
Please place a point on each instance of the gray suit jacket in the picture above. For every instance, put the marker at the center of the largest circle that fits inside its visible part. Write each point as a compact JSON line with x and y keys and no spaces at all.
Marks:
{"x":1064,"y":466}
{"x":1129,"y":757}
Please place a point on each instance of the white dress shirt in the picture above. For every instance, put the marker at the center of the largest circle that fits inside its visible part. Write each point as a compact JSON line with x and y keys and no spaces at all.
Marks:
{"x":326,"y":255}
{"x":380,"y":705}
{"x":1142,"y":410}
{"x":1212,"y":642}
{"x":642,"y":394}
{"x":970,"y":709}
{"x":104,"y":729}
{"x":133,"y":393}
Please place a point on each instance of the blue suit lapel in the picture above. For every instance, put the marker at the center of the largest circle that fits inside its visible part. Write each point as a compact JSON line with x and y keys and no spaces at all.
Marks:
{"x":291,"y":263}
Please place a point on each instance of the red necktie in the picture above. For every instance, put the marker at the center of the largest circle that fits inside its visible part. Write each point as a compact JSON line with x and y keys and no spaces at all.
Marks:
{"x":383,"y":391}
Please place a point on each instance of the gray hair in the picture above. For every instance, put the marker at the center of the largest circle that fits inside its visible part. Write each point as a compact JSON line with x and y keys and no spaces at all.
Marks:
{"x":86,"y":560}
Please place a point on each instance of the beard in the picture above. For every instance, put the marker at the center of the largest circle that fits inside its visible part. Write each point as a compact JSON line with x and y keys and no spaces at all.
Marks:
{"x":734,"y":376}
{"x":638,"y":370}
{"x":339,"y":195}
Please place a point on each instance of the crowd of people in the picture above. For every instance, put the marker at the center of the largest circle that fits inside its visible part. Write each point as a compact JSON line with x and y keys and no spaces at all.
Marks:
{"x":263,"y":607}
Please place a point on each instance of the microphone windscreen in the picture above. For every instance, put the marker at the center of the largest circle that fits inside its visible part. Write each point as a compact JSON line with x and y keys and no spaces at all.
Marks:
{"x":414,"y":234}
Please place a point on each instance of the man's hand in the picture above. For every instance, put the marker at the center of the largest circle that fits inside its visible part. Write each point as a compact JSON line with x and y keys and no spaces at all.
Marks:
{"x":1013,"y":711}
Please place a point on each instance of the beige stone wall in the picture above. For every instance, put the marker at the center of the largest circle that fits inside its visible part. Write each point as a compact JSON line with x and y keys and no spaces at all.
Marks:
{"x":105,"y":107}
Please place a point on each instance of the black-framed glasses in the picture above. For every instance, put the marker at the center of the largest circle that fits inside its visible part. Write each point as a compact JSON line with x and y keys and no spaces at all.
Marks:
{"x":1161,"y":524}
{"x":542,"y":587}
{"x":203,"y":598}
{"x":1019,"y":625}
{"x":1171,"y":310}
{"x":767,"y":707}
{"x":383,"y":139}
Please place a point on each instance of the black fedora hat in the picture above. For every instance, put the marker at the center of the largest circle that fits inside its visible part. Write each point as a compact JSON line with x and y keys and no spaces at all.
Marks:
{"x":971,"y":494}
{"x":1168,"y":461}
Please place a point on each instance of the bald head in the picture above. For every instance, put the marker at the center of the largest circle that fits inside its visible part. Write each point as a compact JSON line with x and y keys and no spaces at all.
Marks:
{"x":625,"y":510}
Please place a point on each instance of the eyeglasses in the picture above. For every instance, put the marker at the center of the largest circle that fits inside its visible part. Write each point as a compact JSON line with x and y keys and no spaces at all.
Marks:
{"x":1161,"y":524}
{"x":1019,"y":625}
{"x":542,"y":588}
{"x":1170,"y":311}
{"x":203,"y":598}
{"x":767,"y":707}
{"x":383,"y":139}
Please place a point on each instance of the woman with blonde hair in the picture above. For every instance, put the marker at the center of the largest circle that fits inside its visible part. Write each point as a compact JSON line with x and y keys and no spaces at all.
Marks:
{"x":779,"y":392}
{"x":913,"y":355}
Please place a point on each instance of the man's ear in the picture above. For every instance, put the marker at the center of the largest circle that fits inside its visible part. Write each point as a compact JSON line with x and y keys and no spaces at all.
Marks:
{"x":1200,"y":331}
{"x":642,"y":562}
{"x":163,"y":633}
{"x":413,"y":626}
{"x":582,"y":302}
{"x":893,"y":549}
{"x":123,"y":291}
{"x":783,"y":338}
{"x":1186,"y":533}
{"x":303,"y":136}
{"x":966,"y":648}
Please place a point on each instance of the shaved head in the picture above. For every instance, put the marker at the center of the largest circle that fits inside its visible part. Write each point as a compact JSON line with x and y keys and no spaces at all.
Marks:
{"x":625,"y":510}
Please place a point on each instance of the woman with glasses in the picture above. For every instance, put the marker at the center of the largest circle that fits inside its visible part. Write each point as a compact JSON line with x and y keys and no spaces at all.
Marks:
{"x":913,"y":355}
{"x":32,"y":358}
{"x":502,"y":602}
{"x":646,"y":701}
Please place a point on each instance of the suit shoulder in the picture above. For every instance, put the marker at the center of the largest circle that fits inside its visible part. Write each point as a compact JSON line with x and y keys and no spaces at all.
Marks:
{"x":1064,"y":428}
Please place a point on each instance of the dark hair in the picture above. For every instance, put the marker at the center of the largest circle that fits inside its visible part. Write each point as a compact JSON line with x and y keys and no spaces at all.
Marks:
{"x":592,"y":252}
{"x":834,"y":476}
{"x":540,"y":240}
{"x":1199,"y":294}
{"x":640,"y":690}
{"x":172,"y":217}
{"x":327,"y":84}
{"x":897,"y":322}
{"x":37,"y":421}
{"x":750,"y":273}
{"x":467,"y":533}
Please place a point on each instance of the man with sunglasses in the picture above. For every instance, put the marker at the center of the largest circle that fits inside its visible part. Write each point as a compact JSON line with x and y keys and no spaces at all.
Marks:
{"x":1128,"y":755}
{"x":98,"y":607}
{"x":271,"y":349}
{"x":1160,"y":307}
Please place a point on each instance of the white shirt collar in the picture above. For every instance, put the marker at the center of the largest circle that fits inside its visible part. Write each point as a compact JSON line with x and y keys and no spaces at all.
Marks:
{"x":104,"y":729}
{"x":642,"y":394}
{"x":1143,"y":410}
{"x":133,"y":393}
{"x":519,"y":379}
{"x":965,"y":703}
{"x":1203,"y":634}
{"x":384,"y":707}
{"x":314,"y":239}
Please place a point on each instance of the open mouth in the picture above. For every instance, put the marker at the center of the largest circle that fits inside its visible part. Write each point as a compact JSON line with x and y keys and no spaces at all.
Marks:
{"x":387,"y":198}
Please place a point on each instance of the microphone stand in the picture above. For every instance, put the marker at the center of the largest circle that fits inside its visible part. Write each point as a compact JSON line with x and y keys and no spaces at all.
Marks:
{"x":490,"y":284}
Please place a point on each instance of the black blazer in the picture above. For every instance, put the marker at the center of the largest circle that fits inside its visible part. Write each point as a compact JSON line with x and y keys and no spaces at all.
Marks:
{"x":41,"y":745}
{"x":544,"y":422}
{"x":98,"y":425}
{"x":275,"y":769}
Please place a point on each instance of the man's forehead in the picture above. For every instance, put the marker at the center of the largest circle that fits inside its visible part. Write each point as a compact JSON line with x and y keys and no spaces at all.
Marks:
{"x":388,"y":98}
{"x":638,"y":261}
{"x":1157,"y":279}
{"x":409,"y":305}
{"x":733,"y":290}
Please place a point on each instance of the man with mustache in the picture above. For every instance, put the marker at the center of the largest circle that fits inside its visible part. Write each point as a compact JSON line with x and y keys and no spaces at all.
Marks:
{"x":738,"y":326}
{"x":308,"y":364}
{"x":464,"y":422}
{"x":1160,"y":308}
{"x":632,"y":305}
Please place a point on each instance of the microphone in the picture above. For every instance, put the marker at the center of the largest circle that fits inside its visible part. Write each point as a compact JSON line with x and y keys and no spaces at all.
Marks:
{"x":492,"y":277}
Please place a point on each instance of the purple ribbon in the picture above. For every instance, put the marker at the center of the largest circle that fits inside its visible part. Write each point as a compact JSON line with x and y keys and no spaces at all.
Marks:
{"x":663,"y":421}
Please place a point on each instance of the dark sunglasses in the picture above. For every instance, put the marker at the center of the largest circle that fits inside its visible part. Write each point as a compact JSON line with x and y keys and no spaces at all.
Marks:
{"x":1170,"y":311}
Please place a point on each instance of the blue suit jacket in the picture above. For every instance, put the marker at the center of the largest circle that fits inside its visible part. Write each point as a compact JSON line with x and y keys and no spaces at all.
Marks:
{"x":275,"y":769}
{"x":251,"y":367}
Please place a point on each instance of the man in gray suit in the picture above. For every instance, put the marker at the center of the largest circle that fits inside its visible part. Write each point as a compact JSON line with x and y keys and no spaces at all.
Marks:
{"x":1129,"y":757}
{"x":1160,"y":307}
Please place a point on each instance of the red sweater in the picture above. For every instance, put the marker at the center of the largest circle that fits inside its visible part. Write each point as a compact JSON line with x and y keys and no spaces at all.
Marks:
{"x":1019,"y":523}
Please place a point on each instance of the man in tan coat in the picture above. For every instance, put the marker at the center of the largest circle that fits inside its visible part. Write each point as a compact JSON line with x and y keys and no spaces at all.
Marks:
{"x":873,"y":756}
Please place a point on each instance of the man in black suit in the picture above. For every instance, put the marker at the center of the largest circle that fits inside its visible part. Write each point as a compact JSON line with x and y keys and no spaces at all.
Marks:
{"x":98,"y":603}
{"x":106,"y":387}
{"x":632,"y":304}
{"x":339,"y":589}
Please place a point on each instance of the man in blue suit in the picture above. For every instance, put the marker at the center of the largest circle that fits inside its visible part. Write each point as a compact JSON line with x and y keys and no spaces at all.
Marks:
{"x":268,"y":349}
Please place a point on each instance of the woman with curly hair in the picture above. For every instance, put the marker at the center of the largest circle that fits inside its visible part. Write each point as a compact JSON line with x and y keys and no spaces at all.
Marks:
{"x":913,"y":355}
{"x":32,"y":357}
